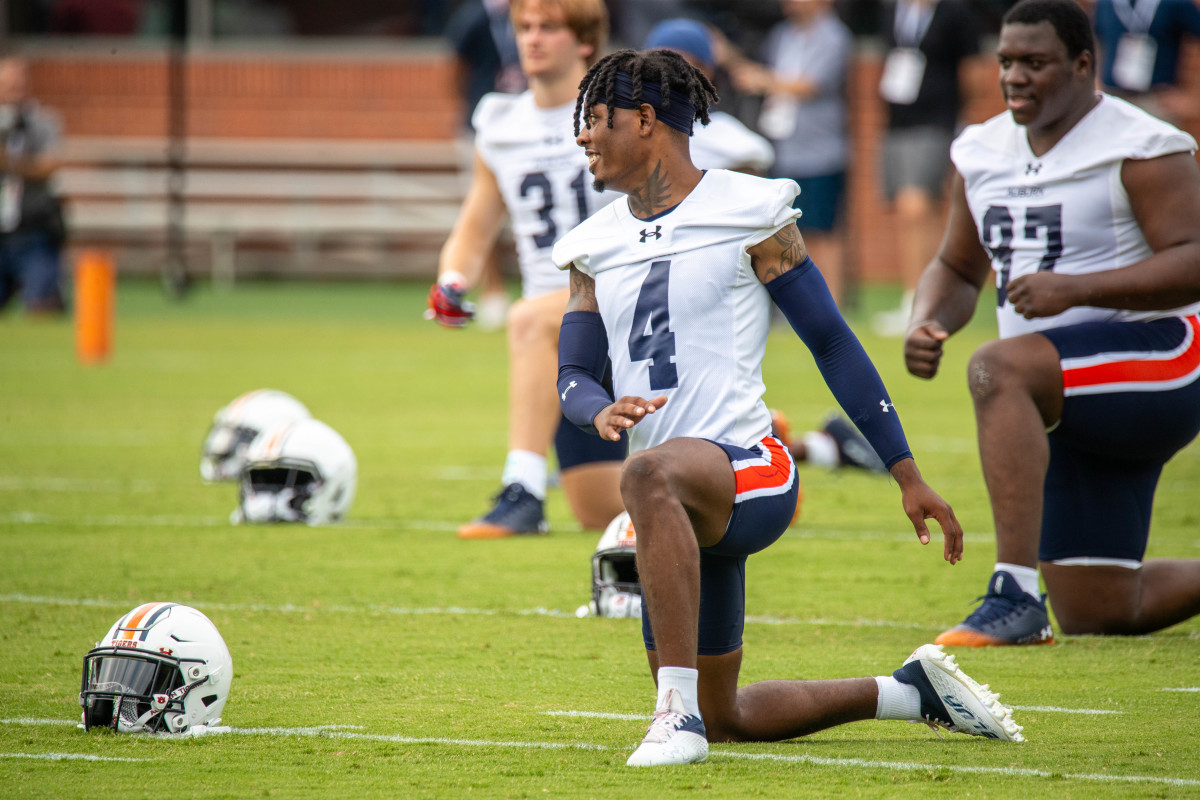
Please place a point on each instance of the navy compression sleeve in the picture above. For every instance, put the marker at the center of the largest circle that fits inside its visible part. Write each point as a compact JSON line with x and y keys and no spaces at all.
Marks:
{"x":804,"y":299}
{"x":582,"y":360}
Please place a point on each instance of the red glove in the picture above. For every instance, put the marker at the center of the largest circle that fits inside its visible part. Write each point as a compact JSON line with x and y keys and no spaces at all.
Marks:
{"x":447,"y":306}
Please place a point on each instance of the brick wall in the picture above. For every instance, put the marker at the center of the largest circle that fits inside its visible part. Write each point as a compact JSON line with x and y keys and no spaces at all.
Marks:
{"x":247,"y":97}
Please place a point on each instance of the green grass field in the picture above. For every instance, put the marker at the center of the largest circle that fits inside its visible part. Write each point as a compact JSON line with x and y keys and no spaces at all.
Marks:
{"x":384,"y":658}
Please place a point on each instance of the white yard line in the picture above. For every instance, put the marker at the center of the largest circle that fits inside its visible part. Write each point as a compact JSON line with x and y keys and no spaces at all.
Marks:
{"x":67,"y":757}
{"x":28,"y":517}
{"x":340,"y":732}
{"x":539,"y":611}
{"x":1066,"y":710}
{"x":604,"y":715}
{"x":18,"y":483}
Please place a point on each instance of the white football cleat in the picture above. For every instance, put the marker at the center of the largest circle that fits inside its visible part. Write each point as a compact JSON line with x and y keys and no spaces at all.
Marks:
{"x":952,"y":700}
{"x":674,"y":737}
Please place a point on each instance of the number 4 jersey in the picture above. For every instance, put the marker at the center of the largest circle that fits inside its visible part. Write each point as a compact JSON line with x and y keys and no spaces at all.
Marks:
{"x":1065,"y":210}
{"x":543,"y":178}
{"x":685,"y":315}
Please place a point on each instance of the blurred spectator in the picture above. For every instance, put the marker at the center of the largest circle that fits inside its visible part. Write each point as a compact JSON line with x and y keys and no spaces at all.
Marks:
{"x":31,"y":222}
{"x":481,"y":33}
{"x":804,"y":115}
{"x":933,"y":48}
{"x":633,"y":19}
{"x":724,"y":143}
{"x":1140,"y":42}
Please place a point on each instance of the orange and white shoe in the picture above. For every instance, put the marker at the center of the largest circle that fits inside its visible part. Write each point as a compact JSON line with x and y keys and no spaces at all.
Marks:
{"x":1008,"y":615}
{"x":517,"y":512}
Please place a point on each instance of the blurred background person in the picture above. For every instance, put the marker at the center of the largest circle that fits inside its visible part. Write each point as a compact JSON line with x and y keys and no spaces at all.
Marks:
{"x":481,"y":34}
{"x":486,"y":60}
{"x":634,"y":19}
{"x":31,"y":219}
{"x":932,"y":62}
{"x":529,"y":168}
{"x":1140,"y":45}
{"x":807,"y":59}
{"x":725,"y":142}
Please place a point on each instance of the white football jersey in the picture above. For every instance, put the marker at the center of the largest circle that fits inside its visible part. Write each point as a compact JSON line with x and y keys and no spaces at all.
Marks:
{"x":1065,"y":210}
{"x":725,"y":143}
{"x":685,"y":315}
{"x":543,"y":176}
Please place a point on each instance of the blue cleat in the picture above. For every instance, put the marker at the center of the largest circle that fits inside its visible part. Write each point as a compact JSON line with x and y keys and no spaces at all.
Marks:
{"x":1008,"y":615}
{"x":674,"y":737}
{"x":950,"y":699}
{"x":516,"y":512}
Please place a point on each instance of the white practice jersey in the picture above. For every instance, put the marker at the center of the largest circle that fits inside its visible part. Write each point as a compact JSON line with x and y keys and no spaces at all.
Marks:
{"x":543,"y":176}
{"x":725,"y":143}
{"x":685,"y":315}
{"x":1065,"y":210}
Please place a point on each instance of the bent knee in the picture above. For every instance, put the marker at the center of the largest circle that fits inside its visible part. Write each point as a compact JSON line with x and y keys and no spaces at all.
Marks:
{"x":988,"y":370}
{"x":644,"y":475}
{"x":530,"y":321}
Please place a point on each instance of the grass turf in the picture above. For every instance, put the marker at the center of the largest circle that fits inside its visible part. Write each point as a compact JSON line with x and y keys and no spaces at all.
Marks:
{"x":443,"y":663}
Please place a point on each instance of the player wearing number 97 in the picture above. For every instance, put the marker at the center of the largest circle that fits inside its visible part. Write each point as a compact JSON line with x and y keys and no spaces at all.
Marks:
{"x":528,"y":168}
{"x":674,"y":284}
{"x":1088,"y":212}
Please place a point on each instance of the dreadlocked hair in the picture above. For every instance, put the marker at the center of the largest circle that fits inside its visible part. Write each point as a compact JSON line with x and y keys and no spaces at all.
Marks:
{"x":665,"y":67}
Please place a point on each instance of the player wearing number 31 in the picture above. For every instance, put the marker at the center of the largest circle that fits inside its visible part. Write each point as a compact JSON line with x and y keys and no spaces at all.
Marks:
{"x":1088,"y":211}
{"x":527,"y":165}
{"x":674,"y":284}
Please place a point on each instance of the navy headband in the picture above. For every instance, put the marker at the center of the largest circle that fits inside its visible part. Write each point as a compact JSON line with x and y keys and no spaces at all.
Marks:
{"x":679,"y":115}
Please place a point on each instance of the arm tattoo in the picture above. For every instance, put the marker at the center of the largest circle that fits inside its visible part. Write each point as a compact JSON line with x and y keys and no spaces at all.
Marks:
{"x":785,"y":252}
{"x":652,"y":197}
{"x":583,"y":293}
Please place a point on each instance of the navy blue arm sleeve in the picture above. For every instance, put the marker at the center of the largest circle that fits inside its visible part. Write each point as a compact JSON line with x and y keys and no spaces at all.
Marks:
{"x":582,"y":361}
{"x":804,"y":299}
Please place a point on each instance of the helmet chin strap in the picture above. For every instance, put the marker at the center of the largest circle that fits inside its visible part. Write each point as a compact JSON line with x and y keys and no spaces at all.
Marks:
{"x":158,"y":704}
{"x":271,"y":506}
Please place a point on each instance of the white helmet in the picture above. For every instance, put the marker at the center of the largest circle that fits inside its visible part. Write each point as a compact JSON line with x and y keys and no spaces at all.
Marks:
{"x":299,"y":471}
{"x":162,"y":668}
{"x":616,"y":590}
{"x":236,"y":425}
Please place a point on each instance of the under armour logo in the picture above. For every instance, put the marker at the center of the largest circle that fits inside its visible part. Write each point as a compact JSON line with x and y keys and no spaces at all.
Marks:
{"x":647,"y":233}
{"x":885,"y":405}
{"x":1033,"y":168}
{"x":570,"y":386}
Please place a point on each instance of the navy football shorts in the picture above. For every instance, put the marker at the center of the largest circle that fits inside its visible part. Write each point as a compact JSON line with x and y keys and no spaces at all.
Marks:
{"x":576,"y":448}
{"x":767,"y":490}
{"x":1131,"y":400}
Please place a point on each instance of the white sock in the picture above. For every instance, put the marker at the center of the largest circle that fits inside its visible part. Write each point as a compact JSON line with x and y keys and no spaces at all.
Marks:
{"x":682,"y":680}
{"x":822,"y":449}
{"x":528,"y":469}
{"x":896,"y":700}
{"x":1026,"y":577}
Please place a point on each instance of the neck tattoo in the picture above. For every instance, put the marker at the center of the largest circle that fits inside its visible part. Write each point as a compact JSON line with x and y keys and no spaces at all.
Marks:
{"x":652,"y":196}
